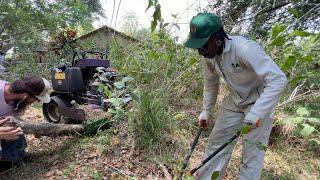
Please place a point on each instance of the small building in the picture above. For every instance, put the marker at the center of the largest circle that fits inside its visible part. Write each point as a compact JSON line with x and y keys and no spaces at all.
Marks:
{"x":99,"y":39}
{"x":41,"y":54}
{"x":102,"y":37}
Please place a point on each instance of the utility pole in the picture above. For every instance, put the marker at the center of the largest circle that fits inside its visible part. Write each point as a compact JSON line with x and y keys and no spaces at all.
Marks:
{"x":187,"y":9}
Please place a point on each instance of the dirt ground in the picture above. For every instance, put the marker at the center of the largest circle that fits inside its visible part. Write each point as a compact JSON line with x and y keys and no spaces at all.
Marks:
{"x":112,"y":154}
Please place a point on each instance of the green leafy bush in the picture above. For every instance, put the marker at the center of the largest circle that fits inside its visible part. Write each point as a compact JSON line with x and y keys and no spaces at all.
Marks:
{"x":297,"y":53}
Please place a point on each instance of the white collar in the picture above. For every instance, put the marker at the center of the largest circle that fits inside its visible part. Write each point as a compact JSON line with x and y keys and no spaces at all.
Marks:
{"x":227,"y":45}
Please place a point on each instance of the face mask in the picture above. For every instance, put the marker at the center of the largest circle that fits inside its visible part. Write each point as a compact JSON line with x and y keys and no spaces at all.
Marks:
{"x":211,"y":48}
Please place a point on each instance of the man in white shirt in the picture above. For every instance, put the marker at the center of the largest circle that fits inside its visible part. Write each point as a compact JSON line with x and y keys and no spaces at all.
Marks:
{"x":255,"y":82}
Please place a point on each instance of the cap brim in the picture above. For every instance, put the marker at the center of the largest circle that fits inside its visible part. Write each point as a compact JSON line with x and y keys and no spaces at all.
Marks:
{"x":196,"y":42}
{"x":45,"y":98}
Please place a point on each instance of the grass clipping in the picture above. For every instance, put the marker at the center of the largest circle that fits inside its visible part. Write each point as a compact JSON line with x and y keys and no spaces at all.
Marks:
{"x":91,"y":127}
{"x":98,"y":120}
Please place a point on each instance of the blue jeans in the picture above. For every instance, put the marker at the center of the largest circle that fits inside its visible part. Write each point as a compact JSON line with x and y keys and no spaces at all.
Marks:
{"x":13,"y":150}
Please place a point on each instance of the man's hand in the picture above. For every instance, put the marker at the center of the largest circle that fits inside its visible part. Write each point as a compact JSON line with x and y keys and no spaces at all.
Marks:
{"x":203,"y":123}
{"x":7,"y":132}
{"x":258,"y":123}
{"x":255,"y":125}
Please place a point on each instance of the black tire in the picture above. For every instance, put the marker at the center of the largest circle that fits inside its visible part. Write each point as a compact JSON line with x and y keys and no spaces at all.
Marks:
{"x":51,"y":112}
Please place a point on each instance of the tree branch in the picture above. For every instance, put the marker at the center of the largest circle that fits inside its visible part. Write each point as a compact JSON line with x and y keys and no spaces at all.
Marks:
{"x":265,"y":10}
{"x":297,"y":98}
{"x":296,"y":21}
{"x":47,"y":129}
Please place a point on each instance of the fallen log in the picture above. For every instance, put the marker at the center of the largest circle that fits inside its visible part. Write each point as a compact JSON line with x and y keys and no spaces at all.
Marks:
{"x":47,"y":129}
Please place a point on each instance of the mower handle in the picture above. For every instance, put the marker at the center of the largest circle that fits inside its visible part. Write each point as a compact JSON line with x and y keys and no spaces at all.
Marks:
{"x":83,"y":54}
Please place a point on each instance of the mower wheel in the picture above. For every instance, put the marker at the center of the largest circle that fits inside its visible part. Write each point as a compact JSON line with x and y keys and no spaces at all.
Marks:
{"x":51,"y":112}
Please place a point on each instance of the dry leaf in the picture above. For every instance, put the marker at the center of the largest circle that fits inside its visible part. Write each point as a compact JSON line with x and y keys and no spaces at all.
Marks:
{"x":58,"y":172}
{"x":51,"y":178}
{"x":55,"y":162}
{"x":50,"y":173}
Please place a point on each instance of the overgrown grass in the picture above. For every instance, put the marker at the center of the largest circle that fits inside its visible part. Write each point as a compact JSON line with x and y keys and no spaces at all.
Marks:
{"x":163,"y":72}
{"x":150,"y":120}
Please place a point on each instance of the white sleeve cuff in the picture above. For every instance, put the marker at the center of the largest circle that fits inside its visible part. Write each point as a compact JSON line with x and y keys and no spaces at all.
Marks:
{"x":204,"y":115}
{"x":251,"y":118}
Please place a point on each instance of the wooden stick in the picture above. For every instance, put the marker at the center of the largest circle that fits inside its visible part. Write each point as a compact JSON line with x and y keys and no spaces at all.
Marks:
{"x":116,"y":169}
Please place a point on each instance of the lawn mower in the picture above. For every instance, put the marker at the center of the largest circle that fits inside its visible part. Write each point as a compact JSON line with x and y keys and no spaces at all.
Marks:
{"x":77,"y":84}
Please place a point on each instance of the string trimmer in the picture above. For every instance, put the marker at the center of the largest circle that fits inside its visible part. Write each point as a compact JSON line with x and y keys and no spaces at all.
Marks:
{"x":193,"y":145}
{"x":214,"y":153}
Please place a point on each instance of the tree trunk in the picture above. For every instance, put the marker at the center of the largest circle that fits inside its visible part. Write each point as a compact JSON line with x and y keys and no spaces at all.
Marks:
{"x":47,"y":129}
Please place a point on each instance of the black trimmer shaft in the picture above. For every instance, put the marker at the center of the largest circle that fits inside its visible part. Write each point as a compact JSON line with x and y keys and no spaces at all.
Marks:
{"x":214,"y":153}
{"x":193,"y":145}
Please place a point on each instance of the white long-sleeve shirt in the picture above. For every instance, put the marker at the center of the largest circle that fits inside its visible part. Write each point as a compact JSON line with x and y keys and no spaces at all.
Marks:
{"x":252,"y":75}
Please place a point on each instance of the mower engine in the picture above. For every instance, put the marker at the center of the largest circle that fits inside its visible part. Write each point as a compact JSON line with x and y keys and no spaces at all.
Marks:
{"x":76,"y":85}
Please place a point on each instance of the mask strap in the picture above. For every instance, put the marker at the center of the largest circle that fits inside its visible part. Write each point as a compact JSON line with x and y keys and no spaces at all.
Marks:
{"x":17,"y":107}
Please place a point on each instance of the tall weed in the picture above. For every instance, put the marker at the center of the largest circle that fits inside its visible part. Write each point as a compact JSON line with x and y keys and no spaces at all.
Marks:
{"x":150,"y":120}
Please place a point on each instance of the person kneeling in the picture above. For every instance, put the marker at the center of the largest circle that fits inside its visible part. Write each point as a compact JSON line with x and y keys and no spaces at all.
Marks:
{"x":14,"y":98}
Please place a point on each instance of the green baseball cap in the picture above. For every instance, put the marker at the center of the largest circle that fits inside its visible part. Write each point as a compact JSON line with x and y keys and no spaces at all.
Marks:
{"x":202,"y":26}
